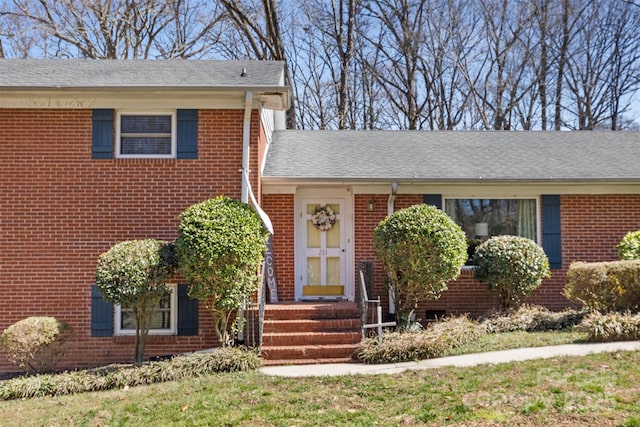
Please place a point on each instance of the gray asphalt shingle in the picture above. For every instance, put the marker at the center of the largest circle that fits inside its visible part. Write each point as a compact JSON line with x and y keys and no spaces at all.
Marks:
{"x":177,"y":74}
{"x":454,"y":156}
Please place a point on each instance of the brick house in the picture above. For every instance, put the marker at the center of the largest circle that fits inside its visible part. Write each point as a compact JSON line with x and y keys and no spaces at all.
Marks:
{"x":575,"y":193}
{"x":97,"y":152}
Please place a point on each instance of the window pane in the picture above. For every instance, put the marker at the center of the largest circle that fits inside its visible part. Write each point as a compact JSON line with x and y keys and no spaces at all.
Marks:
{"x":313,"y":271}
{"x":145,"y":145}
{"x":145,"y":124}
{"x":160,"y":319}
{"x":483,"y":218}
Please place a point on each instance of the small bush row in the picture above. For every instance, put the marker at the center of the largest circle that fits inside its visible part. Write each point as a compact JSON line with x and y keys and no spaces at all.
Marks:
{"x":226,"y":359}
{"x":605,"y":286}
{"x":611,"y":327}
{"x":434,"y":341}
{"x":532,"y":319}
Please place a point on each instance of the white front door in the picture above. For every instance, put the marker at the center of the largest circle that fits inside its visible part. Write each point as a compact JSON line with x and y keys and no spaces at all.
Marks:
{"x":324,"y":248}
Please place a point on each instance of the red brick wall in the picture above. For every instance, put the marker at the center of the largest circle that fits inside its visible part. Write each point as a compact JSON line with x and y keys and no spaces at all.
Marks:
{"x":280,"y":208}
{"x":59,"y":210}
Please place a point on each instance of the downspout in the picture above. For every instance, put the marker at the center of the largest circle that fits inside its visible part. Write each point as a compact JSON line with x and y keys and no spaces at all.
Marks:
{"x":246,"y":142}
{"x":390,"y":209}
{"x":244,"y":194}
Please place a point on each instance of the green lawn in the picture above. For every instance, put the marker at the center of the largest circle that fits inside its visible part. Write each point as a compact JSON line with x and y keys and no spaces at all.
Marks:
{"x":596,"y":390}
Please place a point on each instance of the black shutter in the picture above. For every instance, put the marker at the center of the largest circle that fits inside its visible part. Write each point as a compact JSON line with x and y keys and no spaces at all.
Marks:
{"x":102,"y":134}
{"x":433,"y":200}
{"x":187,"y":134}
{"x":551,"y":233}
{"x":187,"y":312}
{"x":101,"y":315}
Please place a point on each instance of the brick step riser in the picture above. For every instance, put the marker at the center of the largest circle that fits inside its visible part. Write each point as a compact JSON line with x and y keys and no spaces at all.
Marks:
{"x":335,"y":325}
{"x":317,"y":339}
{"x":310,"y":315}
{"x":308,"y":352}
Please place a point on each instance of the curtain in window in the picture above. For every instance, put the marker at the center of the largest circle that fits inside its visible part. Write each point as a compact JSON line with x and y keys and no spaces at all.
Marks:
{"x":527,"y":219}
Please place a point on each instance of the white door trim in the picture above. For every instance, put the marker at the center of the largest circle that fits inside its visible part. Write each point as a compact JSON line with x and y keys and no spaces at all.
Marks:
{"x":345,"y":195}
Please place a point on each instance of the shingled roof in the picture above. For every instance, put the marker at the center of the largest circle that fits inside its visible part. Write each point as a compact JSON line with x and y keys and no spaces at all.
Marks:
{"x":457,"y":156}
{"x":38,"y":74}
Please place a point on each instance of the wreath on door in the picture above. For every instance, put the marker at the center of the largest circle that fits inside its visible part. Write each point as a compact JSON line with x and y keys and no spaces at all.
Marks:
{"x":324,"y":218}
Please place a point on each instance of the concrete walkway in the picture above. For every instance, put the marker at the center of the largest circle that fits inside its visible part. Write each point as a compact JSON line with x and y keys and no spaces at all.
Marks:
{"x":493,"y":357}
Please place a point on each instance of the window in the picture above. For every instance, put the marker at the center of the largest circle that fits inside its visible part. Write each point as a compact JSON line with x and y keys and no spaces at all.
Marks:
{"x":163,"y":320}
{"x":484,"y":218}
{"x":146,"y":135}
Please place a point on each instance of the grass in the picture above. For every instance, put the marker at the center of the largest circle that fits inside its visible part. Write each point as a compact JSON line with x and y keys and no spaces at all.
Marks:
{"x":593,"y":390}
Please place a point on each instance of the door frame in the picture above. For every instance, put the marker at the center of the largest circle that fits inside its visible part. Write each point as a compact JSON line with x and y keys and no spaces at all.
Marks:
{"x":300,"y":225}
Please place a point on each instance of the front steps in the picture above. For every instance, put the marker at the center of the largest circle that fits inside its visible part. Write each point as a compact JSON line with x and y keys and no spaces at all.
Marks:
{"x":318,"y":332}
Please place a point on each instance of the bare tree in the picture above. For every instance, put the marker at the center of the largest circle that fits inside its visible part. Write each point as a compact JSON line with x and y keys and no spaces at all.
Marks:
{"x":118,"y":29}
{"x":603,"y":66}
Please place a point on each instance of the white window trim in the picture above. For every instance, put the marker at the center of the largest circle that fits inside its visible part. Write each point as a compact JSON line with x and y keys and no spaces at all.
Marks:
{"x":538,"y":208}
{"x":173,"y":321}
{"x":174,"y":138}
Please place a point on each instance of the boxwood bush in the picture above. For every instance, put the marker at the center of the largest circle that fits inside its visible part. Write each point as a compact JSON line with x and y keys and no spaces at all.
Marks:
{"x":133,"y":274}
{"x":421,"y":248}
{"x":629,"y":246}
{"x":605,"y":286}
{"x":220,"y":248}
{"x":36,"y":344}
{"x":513,"y":267}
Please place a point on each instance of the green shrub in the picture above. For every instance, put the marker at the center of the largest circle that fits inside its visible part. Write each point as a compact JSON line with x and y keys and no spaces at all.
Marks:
{"x":36,"y":344}
{"x":532,"y":318}
{"x":513,"y":267}
{"x":198,"y":364}
{"x":605,"y":286}
{"x":421,"y":248}
{"x":611,"y":327}
{"x":629,"y":246}
{"x":433,"y":341}
{"x":220,"y":248}
{"x":133,"y":274}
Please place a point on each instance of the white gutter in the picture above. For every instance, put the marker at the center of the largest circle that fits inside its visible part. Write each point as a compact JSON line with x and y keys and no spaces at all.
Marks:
{"x":390,"y":209}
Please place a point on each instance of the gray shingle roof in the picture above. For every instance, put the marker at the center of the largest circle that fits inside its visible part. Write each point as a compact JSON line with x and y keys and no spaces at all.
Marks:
{"x":453,"y":156}
{"x":180,"y":74}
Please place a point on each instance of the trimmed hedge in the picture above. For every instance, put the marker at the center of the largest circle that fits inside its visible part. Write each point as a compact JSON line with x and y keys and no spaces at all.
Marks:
{"x":605,"y":286}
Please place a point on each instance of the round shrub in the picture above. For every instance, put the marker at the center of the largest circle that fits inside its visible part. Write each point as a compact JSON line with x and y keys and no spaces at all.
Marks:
{"x":220,"y":248}
{"x":629,"y":246}
{"x":421,"y":248}
{"x":513,"y":267}
{"x":36,"y":344}
{"x":133,"y":274}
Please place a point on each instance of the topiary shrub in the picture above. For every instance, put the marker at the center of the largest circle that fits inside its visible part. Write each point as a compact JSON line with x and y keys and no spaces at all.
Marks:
{"x":36,"y":344}
{"x":220,"y":248}
{"x":629,"y":246}
{"x":133,"y":275}
{"x":420,"y":248}
{"x":605,"y":286}
{"x":513,"y":267}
